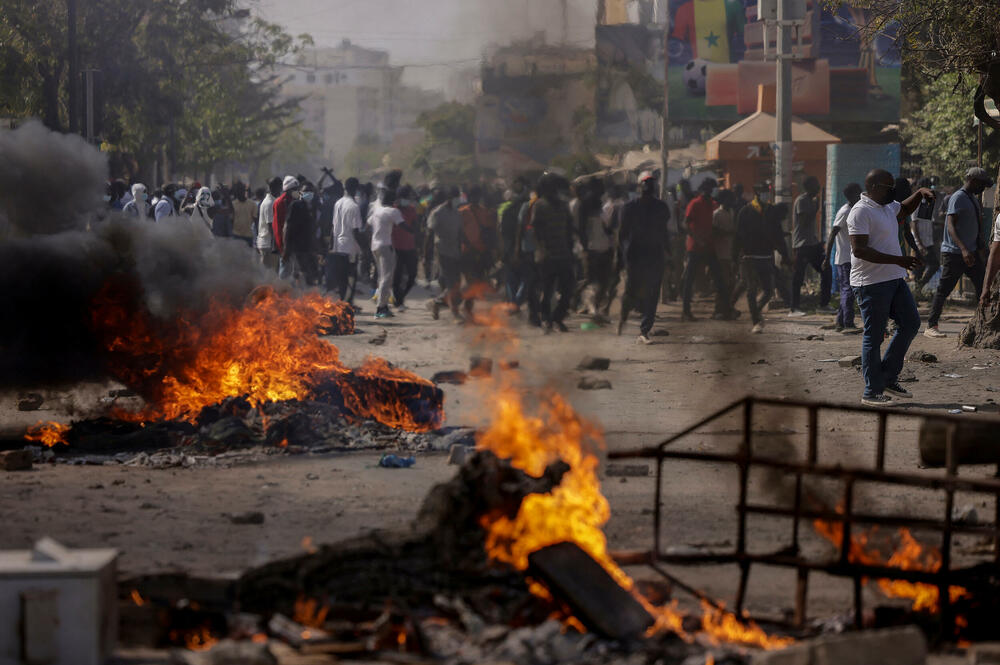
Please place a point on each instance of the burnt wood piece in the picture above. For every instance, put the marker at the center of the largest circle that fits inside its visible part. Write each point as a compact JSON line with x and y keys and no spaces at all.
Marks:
{"x":975,"y":443}
{"x":593,"y":596}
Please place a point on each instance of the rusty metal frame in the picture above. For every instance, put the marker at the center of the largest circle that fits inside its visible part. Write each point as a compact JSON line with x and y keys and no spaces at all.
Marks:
{"x":842,"y":566}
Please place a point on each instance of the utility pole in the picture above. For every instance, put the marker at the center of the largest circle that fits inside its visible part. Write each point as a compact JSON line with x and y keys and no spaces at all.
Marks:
{"x":74,"y":67}
{"x":783,"y":103}
{"x":665,"y":123}
{"x":89,"y":75}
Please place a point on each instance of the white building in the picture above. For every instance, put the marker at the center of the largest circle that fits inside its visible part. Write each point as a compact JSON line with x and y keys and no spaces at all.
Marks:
{"x":350,"y":92}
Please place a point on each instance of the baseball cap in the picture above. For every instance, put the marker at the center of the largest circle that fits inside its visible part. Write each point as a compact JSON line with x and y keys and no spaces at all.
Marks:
{"x":979,"y":173}
{"x":647,"y":175}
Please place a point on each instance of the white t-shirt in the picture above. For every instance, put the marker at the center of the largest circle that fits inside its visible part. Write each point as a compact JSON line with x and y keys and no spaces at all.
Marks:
{"x":265,"y":220}
{"x":842,"y":242}
{"x":346,"y":220}
{"x":382,"y":223}
{"x":879,"y":223}
{"x":996,"y":230}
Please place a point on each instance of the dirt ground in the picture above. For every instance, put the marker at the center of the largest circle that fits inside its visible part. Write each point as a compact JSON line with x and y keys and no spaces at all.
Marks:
{"x":178,"y":519}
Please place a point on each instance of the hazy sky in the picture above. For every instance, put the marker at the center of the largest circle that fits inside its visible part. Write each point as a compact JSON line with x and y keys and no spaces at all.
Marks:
{"x":432,"y":37}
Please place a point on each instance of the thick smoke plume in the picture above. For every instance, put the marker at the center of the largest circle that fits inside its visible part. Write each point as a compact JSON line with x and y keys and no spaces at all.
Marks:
{"x":59,"y":247}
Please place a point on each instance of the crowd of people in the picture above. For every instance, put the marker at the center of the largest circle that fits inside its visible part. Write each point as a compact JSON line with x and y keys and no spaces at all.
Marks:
{"x":549,"y":247}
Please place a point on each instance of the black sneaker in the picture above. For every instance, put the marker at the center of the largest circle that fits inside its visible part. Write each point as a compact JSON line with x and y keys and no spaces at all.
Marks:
{"x":877,"y":400}
{"x":898,"y":390}
{"x":561,"y":327}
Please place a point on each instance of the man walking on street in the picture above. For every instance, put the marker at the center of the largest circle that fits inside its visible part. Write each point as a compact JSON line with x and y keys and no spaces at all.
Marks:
{"x":444,"y":229}
{"x":963,"y":250}
{"x":878,"y":275}
{"x":383,"y":220}
{"x":700,"y":248}
{"x":644,"y":245}
{"x":345,"y":248}
{"x":922,"y":226}
{"x":807,"y":250}
{"x":553,"y":226}
{"x":839,"y":242}
{"x":758,"y":236}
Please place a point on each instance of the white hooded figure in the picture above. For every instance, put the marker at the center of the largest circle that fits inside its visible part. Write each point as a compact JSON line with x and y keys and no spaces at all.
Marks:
{"x":199,"y":211}
{"x":138,"y":206}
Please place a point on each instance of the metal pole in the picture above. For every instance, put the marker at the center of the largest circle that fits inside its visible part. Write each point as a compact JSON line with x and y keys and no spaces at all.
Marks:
{"x":89,"y":74}
{"x":665,"y":123}
{"x":74,"y":67}
{"x":783,"y":107}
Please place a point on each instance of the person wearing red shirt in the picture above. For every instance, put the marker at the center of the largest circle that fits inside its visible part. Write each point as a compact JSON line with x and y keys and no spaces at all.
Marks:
{"x":700,"y":247}
{"x":479,"y":225}
{"x":289,"y":190}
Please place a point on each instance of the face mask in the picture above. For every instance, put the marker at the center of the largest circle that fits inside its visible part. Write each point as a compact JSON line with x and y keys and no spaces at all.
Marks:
{"x":205,"y":202}
{"x":107,"y":198}
{"x":307,"y":196}
{"x":457,"y":201}
{"x":405,"y":203}
{"x":144,"y":196}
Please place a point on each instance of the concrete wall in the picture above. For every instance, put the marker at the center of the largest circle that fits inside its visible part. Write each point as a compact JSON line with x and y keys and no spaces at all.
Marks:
{"x":851,"y":162}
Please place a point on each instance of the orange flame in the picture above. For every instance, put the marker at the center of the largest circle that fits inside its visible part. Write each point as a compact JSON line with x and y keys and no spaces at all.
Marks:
{"x":198,"y":639}
{"x":48,"y":433}
{"x":909,"y":555}
{"x":137,"y":598}
{"x":309,"y":612}
{"x":576,"y":510}
{"x":268,"y":350}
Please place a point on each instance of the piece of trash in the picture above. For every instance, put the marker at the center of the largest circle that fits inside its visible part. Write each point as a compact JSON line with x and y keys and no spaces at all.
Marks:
{"x":953,"y":376}
{"x":954,"y":411}
{"x":391,"y":461}
{"x":697,"y":339}
{"x":828,"y":360}
{"x":979,"y":367}
{"x":968,"y":409}
{"x":589,"y":325}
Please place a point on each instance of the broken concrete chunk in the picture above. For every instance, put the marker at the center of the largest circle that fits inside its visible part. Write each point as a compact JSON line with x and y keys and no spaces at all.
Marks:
{"x":480,"y":366}
{"x":634,"y":470}
{"x":923,"y":357}
{"x":893,"y":646}
{"x":850,"y":361}
{"x":457,"y":454}
{"x":15,"y":460}
{"x":251,"y":517}
{"x":591,"y":383}
{"x":454,"y":377}
{"x":594,"y":363}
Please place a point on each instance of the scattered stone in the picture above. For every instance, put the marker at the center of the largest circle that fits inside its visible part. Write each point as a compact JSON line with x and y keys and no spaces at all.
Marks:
{"x":146,"y":505}
{"x":592,"y":383}
{"x":660,"y":332}
{"x":965,"y":515}
{"x":15,"y":460}
{"x":480,"y":366}
{"x":893,"y":646}
{"x":923,"y":357}
{"x":850,"y":361}
{"x":810,"y":338}
{"x":312,"y":476}
{"x":30,"y":402}
{"x":454,"y":377}
{"x":594,"y":363}
{"x":633,"y":470}
{"x":457,"y":454}
{"x":379,"y":339}
{"x":829,"y":326}
{"x":251,"y":517}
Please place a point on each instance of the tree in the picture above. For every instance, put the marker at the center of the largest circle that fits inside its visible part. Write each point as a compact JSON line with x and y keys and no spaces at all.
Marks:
{"x":449,"y":147}
{"x":182,"y":80}
{"x":939,"y":131}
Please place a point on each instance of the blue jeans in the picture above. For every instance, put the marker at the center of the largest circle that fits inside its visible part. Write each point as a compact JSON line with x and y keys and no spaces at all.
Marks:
{"x":879,"y":303}
{"x":845,"y":315}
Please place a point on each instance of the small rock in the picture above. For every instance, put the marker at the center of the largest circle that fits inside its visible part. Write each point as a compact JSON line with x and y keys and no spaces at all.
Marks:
{"x":30,"y":402}
{"x":457,"y":454}
{"x":15,"y":460}
{"x":850,"y":361}
{"x":146,"y":505}
{"x":480,"y":366}
{"x":312,"y":476}
{"x":627,"y":470}
{"x":964,"y":515}
{"x":591,"y":383}
{"x":454,"y":377}
{"x":379,"y":339}
{"x":251,"y":517}
{"x":510,"y":364}
{"x":660,"y":332}
{"x":923,"y":357}
{"x":594,"y":363}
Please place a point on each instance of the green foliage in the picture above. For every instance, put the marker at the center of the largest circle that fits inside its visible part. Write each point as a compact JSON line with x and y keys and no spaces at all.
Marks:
{"x":448,"y":151}
{"x":185,"y":77}
{"x":939,"y":132}
{"x":366,"y":155}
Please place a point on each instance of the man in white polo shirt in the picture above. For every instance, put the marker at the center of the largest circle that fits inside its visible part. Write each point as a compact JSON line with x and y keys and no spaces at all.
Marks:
{"x":878,"y":276}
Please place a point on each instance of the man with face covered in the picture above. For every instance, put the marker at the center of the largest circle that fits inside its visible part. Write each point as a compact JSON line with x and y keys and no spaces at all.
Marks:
{"x":289,"y":191}
{"x":198,"y":212}
{"x":165,"y":205}
{"x":878,"y":276}
{"x":137,"y":207}
{"x":298,"y":237}
{"x":645,"y":246}
{"x":963,"y":251}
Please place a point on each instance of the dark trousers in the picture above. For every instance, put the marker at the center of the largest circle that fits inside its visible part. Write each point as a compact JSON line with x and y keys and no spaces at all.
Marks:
{"x":406,"y":274}
{"x":557,"y":275}
{"x":599,"y":266}
{"x":341,"y":275}
{"x":692,"y":265}
{"x":953,"y":268}
{"x":845,"y":314}
{"x":643,"y":280}
{"x":879,"y":303}
{"x":758,"y":279}
{"x":932,"y":261}
{"x":529,"y":278}
{"x":304,"y":266}
{"x":810,"y":255}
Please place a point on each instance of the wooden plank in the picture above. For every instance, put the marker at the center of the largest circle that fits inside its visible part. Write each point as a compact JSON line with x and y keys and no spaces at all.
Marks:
{"x":593,"y":596}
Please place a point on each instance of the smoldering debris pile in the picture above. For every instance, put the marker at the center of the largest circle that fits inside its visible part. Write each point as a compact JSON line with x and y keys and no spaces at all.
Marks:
{"x":427,"y":595}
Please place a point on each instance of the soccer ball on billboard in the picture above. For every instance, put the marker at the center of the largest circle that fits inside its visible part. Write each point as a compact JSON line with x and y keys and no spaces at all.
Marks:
{"x":694,"y":77}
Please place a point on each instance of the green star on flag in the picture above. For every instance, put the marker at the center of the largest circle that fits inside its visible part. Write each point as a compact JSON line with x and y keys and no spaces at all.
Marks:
{"x":712,"y":39}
